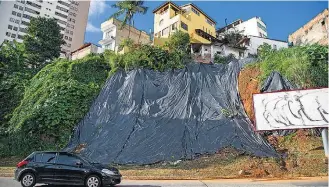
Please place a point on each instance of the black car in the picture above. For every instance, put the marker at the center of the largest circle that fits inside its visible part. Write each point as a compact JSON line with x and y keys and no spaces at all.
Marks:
{"x":63,"y":168}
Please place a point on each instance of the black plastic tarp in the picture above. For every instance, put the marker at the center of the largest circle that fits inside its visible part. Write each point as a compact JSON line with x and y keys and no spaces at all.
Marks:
{"x":144,"y":116}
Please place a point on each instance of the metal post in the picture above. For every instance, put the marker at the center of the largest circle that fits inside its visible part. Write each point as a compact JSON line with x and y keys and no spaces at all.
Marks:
{"x":324,"y":133}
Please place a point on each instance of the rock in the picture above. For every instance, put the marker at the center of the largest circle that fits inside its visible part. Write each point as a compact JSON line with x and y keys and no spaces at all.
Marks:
{"x":164,"y":164}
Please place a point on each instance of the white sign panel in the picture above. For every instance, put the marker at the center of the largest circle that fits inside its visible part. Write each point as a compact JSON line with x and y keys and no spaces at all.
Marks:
{"x":291,"y":109}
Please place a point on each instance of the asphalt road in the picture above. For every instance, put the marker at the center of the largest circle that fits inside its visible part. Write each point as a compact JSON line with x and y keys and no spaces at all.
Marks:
{"x":9,"y":182}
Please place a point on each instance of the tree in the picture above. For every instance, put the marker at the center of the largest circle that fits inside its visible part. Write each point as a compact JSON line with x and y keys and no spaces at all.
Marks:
{"x":128,"y":9}
{"x":233,"y":37}
{"x":42,"y":42}
{"x":179,"y":47}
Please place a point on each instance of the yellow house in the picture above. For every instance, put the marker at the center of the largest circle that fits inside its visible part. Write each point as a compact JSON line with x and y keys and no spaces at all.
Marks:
{"x":169,"y":18}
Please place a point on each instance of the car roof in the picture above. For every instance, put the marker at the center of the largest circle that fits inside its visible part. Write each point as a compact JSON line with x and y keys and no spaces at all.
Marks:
{"x":51,"y":152}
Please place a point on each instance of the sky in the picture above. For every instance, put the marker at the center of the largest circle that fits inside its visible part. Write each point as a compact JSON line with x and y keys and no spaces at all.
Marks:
{"x":281,"y":18}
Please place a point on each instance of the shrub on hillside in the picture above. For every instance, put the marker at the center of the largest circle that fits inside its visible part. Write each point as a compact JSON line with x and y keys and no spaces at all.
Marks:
{"x":54,"y":102}
{"x":306,"y":66}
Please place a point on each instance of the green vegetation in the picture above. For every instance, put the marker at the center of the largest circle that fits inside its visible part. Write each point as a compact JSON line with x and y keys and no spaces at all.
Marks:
{"x":54,"y":101}
{"x":42,"y":42}
{"x":152,"y":57}
{"x":305,"y":66}
{"x":223,"y":59}
{"x":128,"y":9}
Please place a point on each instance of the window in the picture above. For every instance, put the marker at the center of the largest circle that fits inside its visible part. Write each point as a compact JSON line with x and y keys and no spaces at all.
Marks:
{"x":311,"y":28}
{"x":210,"y":22}
{"x":174,"y":26}
{"x":73,"y":14}
{"x":66,"y":37}
{"x":274,"y":47}
{"x":184,"y":26}
{"x":165,"y":31}
{"x":61,"y":15}
{"x":13,"y":35}
{"x":13,"y":13}
{"x":17,"y":21}
{"x":108,"y":46}
{"x":23,"y":30}
{"x":241,"y":54}
{"x":67,"y":159}
{"x":32,"y":11}
{"x":10,"y":27}
{"x":12,"y":20}
{"x":195,"y":11}
{"x":62,"y":9}
{"x":38,"y":157}
{"x":33,"y":4}
{"x":25,"y":23}
{"x":64,"y":3}
{"x":15,"y":28}
{"x":70,"y":39}
{"x":161,"y":22}
{"x":48,"y":158}
{"x":71,"y":32}
{"x":8,"y":33}
{"x":21,"y":8}
{"x":261,"y":26}
{"x":19,"y":14}
{"x":15,"y":6}
{"x":323,"y":23}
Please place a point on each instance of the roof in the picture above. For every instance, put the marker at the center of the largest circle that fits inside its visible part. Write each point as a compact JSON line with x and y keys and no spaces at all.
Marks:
{"x":164,"y":4}
{"x":191,"y":4}
{"x":179,"y":8}
{"x":82,"y":47}
{"x":268,"y":38}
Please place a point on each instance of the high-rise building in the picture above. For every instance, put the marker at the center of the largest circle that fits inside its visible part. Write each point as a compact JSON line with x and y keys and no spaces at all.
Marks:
{"x":71,"y":16}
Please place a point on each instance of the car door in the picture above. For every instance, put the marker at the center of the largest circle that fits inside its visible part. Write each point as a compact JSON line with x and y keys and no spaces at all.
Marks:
{"x":44,"y":164}
{"x":67,"y":170}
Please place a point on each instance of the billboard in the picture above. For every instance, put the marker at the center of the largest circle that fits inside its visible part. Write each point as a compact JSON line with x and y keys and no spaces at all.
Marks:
{"x":291,"y":109}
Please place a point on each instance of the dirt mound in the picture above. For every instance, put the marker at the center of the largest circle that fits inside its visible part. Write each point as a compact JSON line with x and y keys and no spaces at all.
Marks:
{"x":249,"y":84}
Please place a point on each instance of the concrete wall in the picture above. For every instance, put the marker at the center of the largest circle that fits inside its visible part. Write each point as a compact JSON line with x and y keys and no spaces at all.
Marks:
{"x":86,"y":51}
{"x":118,"y":34}
{"x":255,"y":42}
{"x":315,"y":31}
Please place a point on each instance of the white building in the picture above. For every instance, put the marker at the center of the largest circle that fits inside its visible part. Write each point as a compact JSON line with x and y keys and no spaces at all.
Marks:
{"x":71,"y":16}
{"x":254,"y":26}
{"x":113,"y":35}
{"x":253,"y":42}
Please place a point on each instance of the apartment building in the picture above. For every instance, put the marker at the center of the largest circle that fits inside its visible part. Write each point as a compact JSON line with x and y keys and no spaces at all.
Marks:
{"x":71,"y":16}
{"x":254,"y":27}
{"x":113,"y":34}
{"x":169,"y":17}
{"x":315,"y":31}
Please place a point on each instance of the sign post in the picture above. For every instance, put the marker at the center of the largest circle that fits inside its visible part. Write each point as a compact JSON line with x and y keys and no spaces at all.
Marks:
{"x":324,"y":133}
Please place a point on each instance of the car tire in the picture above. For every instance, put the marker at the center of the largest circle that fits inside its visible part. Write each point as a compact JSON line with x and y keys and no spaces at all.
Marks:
{"x":93,"y":181}
{"x":28,"y":180}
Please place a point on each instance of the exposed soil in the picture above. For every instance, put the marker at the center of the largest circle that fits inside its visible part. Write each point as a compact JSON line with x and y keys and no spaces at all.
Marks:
{"x":248,"y":85}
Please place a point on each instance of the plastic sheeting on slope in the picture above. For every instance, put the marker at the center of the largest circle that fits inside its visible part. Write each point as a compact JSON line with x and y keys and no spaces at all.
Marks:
{"x":143,"y":116}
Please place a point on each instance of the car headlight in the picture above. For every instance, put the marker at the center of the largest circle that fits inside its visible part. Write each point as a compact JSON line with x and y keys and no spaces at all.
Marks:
{"x":108,"y":172}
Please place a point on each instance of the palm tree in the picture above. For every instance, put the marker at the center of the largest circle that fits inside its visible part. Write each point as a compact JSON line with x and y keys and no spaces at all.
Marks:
{"x":128,"y":9}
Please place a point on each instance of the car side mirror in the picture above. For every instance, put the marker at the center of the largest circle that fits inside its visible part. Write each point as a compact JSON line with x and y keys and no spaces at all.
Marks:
{"x":79,"y":163}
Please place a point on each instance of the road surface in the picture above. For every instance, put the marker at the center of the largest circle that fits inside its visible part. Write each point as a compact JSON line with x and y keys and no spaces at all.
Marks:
{"x":9,"y":182}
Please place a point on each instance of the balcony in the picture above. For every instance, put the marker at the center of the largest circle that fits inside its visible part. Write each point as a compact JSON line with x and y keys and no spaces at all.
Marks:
{"x":108,"y":39}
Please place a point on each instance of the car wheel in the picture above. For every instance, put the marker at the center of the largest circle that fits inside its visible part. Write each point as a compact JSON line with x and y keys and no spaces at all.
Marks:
{"x":93,"y":181}
{"x":28,"y":180}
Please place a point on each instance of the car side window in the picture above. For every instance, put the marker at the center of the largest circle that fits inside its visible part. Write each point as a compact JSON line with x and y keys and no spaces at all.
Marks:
{"x":67,"y":159}
{"x":48,"y":157}
{"x":38,"y":157}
